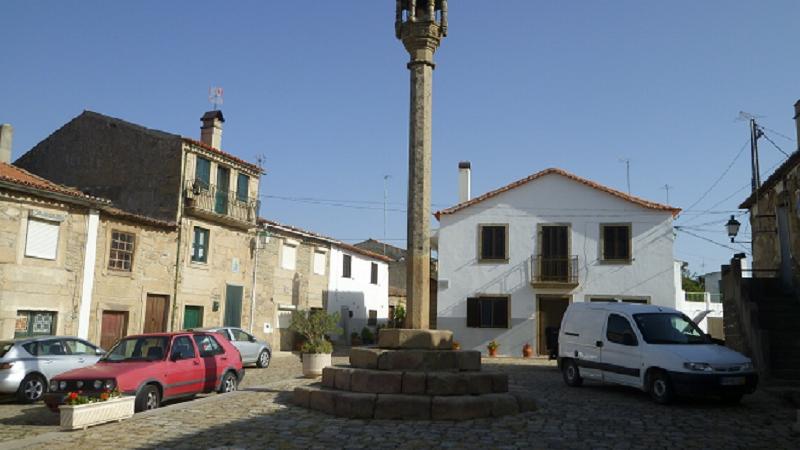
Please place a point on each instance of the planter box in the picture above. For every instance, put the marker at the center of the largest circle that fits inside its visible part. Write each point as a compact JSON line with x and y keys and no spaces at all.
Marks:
{"x":82,"y":416}
{"x":313,"y":363}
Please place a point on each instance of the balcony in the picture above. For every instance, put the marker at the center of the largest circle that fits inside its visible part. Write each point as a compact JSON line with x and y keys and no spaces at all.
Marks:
{"x":224,"y":206}
{"x":554,"y":273}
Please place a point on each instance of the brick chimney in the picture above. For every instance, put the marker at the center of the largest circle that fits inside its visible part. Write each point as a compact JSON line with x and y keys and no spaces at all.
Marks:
{"x":6,"y":135}
{"x":464,"y":181}
{"x":797,"y":121}
{"x":211,"y":131}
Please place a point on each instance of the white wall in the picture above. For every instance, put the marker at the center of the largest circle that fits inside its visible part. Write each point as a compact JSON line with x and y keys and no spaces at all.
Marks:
{"x":693,"y":308}
{"x":550,"y":199}
{"x":356,"y":292}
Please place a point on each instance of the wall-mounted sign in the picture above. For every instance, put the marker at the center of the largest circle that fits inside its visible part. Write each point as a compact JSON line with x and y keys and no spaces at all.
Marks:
{"x":235,"y":265}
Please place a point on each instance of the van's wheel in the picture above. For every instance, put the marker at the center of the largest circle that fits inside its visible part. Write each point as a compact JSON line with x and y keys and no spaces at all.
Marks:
{"x":571,"y":374}
{"x":149,"y":398}
{"x":660,"y":388}
{"x":228,"y":384}
{"x":263,"y":359}
{"x":31,"y":389}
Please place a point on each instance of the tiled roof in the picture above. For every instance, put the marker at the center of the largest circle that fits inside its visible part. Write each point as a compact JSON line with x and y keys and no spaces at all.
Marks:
{"x":13,"y":174}
{"x":331,"y":240}
{"x":116,"y":212}
{"x":780,"y":172}
{"x":250,"y":166}
{"x":627,"y":197}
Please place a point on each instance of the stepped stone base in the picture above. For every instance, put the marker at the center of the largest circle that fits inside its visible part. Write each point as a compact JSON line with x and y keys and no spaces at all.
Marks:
{"x":413,"y":383}
{"x":410,"y":407}
{"x":415,"y":360}
{"x":415,"y":339}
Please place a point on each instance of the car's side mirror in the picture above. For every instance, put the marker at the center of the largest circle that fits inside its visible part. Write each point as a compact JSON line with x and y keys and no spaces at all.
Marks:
{"x":99,"y":351}
{"x":252,"y":339}
{"x":629,"y":339}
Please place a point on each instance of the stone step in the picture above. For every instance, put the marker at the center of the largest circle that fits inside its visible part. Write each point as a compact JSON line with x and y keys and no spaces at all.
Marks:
{"x":355,"y":405}
{"x":404,"y":338}
{"x":415,"y":360}
{"x":413,"y":383}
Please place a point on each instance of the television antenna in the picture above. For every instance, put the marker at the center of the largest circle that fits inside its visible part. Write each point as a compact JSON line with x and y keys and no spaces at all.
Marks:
{"x":215,"y":97}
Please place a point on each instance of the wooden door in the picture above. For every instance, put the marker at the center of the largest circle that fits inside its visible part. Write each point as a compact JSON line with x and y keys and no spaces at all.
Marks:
{"x":114,"y":327}
{"x":155,"y":317}
{"x":550,"y":312}
{"x":555,"y":253}
{"x":223,"y":184}
{"x":192,"y":317}
{"x":233,"y":306}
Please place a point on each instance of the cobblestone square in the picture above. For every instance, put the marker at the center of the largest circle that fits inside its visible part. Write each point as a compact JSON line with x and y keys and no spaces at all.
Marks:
{"x":259,"y":416}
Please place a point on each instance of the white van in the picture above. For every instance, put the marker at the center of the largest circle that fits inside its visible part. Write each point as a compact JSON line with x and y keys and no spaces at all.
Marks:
{"x":656,"y":349}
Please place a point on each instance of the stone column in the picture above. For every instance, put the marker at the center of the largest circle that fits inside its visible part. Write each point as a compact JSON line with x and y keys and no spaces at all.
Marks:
{"x":421,"y":39}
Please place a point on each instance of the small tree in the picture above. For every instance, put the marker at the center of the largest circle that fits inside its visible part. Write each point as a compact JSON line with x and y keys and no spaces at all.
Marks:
{"x":399,"y":317}
{"x":315,"y":326}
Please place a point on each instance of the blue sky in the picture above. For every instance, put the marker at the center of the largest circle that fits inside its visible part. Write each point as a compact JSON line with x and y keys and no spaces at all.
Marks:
{"x":320,"y":89}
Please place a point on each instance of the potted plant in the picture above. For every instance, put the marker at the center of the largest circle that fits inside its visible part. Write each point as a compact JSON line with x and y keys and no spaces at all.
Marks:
{"x":492,"y":347}
{"x":317,"y":349}
{"x":367,"y":337}
{"x":82,"y":411}
{"x":355,"y":339}
{"x":527,"y":350}
{"x":456,"y":345}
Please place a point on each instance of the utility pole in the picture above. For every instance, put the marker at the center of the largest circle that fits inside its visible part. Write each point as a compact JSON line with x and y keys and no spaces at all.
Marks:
{"x":667,"y":187}
{"x":385,"y":201}
{"x":627,"y":162}
{"x":755,"y":133}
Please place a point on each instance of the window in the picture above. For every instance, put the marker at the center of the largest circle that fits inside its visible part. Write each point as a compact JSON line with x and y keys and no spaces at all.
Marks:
{"x":76,"y":347}
{"x":347,"y":263}
{"x":200,"y":245}
{"x":373,"y":276}
{"x":42,"y":239}
{"x":121,"y":255}
{"x":182,"y":348}
{"x":50,"y":348}
{"x":493,"y":242}
{"x":202,"y":173}
{"x":669,"y":329}
{"x":372,"y":319}
{"x":241,"y":336}
{"x":288,"y":256}
{"x":207,"y":345}
{"x":617,"y":328}
{"x":616,"y":242}
{"x":487,"y":312}
{"x":319,"y":262}
{"x":35,"y":323}
{"x":243,"y":188}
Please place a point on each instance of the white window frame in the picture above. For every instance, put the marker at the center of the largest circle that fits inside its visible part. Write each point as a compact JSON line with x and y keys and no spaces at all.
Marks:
{"x":289,"y":260}
{"x":41,"y":240}
{"x":320,"y":261}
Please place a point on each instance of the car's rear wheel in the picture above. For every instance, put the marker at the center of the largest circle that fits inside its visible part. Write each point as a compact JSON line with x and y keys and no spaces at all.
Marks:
{"x":263,"y":359}
{"x":661,"y":388}
{"x":149,"y":398}
{"x":228,"y":384}
{"x":32,"y":388}
{"x":571,"y":374}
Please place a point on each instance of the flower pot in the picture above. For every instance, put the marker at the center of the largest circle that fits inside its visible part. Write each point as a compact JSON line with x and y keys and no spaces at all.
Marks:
{"x":74,"y":417}
{"x":492,"y":352}
{"x":527,"y":351}
{"x":313,"y":363}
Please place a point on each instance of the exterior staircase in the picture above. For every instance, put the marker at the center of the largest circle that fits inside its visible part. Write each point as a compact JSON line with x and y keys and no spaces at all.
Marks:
{"x":779,"y":318}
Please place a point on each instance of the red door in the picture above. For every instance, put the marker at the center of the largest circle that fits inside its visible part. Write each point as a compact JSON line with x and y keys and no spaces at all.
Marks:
{"x":184,"y":369}
{"x":114,"y":327}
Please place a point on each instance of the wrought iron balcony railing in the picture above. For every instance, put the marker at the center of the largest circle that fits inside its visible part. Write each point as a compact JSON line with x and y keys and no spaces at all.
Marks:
{"x":554,"y":271}
{"x":223,"y":204}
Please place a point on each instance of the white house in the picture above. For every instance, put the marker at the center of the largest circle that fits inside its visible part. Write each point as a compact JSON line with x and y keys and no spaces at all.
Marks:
{"x":358,"y":288}
{"x":511,"y":260}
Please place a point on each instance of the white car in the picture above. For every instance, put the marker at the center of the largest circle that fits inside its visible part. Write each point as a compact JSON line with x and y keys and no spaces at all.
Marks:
{"x":656,"y":349}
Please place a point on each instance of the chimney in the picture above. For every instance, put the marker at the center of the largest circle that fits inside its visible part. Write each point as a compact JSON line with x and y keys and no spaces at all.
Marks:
{"x":6,"y":135}
{"x":211,"y":131}
{"x":797,"y":121}
{"x":464,"y":181}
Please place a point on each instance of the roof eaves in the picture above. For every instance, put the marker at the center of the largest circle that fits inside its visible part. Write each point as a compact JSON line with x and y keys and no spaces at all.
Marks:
{"x":253,"y":167}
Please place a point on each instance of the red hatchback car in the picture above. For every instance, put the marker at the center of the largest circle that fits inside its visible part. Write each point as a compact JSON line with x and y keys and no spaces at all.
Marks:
{"x":156,"y":367}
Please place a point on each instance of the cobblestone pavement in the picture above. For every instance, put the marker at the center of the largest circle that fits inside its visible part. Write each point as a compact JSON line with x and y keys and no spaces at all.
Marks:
{"x":259,"y":416}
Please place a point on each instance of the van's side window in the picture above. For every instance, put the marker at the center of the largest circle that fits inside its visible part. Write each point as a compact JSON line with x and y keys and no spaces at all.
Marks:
{"x":617,"y":329}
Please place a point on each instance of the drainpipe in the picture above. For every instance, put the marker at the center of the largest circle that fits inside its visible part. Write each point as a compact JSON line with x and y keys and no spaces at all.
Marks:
{"x":253,"y":290}
{"x":89,"y":256}
{"x":180,"y":240}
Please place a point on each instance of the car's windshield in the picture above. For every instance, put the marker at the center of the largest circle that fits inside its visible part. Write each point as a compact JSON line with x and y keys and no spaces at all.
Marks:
{"x":5,"y":347}
{"x":138,"y":349}
{"x":669,"y":328}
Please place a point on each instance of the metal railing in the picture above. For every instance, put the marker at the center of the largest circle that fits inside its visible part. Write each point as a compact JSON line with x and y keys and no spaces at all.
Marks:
{"x":208,"y":198}
{"x":554,"y":270}
{"x":702,"y":297}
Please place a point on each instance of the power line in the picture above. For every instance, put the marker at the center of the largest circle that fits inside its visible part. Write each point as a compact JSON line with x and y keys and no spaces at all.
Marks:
{"x":778,"y":133}
{"x":774,"y":144}
{"x":710,"y":241}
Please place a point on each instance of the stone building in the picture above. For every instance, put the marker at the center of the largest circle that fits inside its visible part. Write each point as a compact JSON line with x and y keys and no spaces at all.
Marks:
{"x":209,"y":195}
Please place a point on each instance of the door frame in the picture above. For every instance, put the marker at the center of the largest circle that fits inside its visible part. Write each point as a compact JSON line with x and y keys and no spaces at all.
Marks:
{"x":540,"y":336}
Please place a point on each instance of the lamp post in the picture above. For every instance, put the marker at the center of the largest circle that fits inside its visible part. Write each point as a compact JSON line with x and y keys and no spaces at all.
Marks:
{"x":732,"y":226}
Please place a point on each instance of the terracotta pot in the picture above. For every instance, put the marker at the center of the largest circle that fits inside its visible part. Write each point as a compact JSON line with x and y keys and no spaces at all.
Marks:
{"x":313,"y":363}
{"x":456,"y":346}
{"x":527,"y":351}
{"x":492,"y":352}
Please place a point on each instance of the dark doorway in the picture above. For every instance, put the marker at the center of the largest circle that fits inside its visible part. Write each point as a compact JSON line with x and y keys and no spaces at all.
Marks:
{"x":550,"y":311}
{"x":233,"y":306}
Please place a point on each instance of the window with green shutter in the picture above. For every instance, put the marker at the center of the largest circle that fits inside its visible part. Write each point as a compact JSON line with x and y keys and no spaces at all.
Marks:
{"x":202,"y":173}
{"x":243,"y":188}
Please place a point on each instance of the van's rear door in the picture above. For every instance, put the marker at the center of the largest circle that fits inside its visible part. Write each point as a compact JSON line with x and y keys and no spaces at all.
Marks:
{"x":585,"y":327}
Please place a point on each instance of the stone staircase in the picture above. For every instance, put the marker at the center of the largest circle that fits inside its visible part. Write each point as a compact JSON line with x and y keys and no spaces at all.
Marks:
{"x":779,"y":317}
{"x":412,"y":375}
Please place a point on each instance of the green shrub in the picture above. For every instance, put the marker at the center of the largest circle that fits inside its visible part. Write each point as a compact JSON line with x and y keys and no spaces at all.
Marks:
{"x":366,"y":336}
{"x":314,"y":327}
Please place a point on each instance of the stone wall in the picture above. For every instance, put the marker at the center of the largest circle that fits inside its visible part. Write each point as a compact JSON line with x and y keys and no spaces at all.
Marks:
{"x":33,"y":284}
{"x":152,"y":272}
{"x":136,"y":168}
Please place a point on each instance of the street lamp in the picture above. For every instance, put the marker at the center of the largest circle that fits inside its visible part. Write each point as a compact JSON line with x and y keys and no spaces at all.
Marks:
{"x":733,"y":227}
